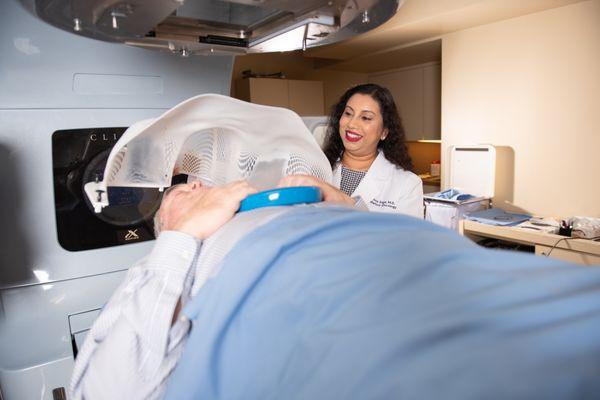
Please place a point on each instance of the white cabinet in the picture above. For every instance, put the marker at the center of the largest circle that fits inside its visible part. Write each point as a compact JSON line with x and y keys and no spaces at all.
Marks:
{"x":417,"y":93}
{"x":303,"y":97}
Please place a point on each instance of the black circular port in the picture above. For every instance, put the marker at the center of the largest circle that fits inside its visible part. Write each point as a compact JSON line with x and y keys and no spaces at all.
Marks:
{"x":126,"y":205}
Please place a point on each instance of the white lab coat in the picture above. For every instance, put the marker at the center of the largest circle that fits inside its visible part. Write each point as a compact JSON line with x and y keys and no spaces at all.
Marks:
{"x":387,"y":188}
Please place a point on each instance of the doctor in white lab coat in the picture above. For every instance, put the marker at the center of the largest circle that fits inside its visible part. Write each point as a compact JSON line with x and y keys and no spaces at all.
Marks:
{"x":365,"y":145}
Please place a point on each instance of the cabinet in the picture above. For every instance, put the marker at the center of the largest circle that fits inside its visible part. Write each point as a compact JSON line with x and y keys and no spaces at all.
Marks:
{"x":303,"y":97}
{"x":417,"y":93}
{"x":572,"y":256}
{"x":432,"y":102}
{"x":579,"y":251}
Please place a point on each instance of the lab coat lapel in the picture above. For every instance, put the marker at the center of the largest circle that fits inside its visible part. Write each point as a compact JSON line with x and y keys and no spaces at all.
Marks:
{"x":375,"y":180}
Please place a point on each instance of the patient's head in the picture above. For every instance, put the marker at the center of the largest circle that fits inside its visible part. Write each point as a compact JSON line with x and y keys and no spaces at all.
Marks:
{"x":198,"y":210}
{"x":175,"y":203}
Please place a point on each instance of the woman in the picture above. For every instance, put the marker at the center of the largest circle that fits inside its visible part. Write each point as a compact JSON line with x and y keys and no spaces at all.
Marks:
{"x":366,"y":147}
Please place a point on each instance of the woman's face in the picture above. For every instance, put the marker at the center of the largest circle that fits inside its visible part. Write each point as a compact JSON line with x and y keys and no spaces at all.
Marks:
{"x":361,"y":125}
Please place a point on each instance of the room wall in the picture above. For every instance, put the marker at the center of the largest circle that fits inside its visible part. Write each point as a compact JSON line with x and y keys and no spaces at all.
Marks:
{"x":530,"y":85}
{"x":423,"y":153}
{"x":295,"y":66}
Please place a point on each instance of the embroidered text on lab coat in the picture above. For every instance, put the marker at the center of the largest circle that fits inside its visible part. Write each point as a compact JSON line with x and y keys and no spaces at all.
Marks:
{"x":383,"y":203}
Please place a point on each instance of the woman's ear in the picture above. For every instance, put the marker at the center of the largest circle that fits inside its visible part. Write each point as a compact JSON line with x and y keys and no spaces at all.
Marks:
{"x":384,"y":134}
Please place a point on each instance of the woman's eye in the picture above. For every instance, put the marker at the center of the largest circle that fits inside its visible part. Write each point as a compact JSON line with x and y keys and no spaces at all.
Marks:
{"x":347,"y":113}
{"x":367,"y":119}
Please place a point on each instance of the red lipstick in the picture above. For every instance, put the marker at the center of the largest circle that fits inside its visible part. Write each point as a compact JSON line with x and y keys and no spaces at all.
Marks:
{"x":352,"y":136}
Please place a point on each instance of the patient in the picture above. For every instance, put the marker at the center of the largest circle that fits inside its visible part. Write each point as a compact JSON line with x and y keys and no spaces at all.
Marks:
{"x":326,"y":302}
{"x":136,"y":341}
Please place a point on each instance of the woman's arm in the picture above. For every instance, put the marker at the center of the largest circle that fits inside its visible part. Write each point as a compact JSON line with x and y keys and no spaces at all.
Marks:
{"x":330,"y":193}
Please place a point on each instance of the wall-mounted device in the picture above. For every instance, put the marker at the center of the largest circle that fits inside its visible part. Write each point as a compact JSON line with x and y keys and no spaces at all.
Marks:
{"x":64,"y":100}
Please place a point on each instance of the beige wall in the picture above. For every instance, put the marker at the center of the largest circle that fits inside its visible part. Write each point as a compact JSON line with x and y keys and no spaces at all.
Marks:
{"x":295,"y":66}
{"x":531,"y":85}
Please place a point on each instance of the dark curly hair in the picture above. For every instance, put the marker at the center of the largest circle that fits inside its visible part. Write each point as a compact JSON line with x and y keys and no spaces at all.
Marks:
{"x":393,"y":147}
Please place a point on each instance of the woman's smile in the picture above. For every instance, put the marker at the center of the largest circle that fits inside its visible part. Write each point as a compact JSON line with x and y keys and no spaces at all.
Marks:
{"x":353,"y":136}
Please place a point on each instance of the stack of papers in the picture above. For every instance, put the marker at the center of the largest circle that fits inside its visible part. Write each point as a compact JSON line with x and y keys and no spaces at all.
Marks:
{"x":536,"y":224}
{"x":452,"y":194}
{"x":497,"y":216}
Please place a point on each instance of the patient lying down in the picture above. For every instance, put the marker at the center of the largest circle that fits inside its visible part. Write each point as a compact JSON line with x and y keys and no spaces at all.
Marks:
{"x":327,"y":302}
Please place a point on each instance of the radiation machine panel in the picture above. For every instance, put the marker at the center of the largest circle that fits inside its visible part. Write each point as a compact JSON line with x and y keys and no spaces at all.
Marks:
{"x":53,"y":81}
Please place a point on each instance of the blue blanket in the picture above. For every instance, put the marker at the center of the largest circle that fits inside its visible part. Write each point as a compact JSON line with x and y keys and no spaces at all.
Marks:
{"x":326,"y":303}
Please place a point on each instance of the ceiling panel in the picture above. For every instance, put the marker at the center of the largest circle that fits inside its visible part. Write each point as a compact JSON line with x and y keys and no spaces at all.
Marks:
{"x":418,"y":21}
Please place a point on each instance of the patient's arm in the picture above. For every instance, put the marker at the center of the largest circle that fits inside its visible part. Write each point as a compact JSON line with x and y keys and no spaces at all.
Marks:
{"x":132,"y":344}
{"x":136,"y":341}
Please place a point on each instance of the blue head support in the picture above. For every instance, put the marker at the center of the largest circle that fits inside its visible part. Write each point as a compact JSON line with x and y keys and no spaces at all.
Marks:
{"x":282,"y":197}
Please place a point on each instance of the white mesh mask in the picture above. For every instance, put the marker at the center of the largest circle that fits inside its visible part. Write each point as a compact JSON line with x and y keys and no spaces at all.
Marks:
{"x":217,"y":140}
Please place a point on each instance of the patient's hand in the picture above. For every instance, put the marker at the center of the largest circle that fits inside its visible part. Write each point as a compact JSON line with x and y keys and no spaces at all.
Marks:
{"x":330,"y":193}
{"x":200,"y":210}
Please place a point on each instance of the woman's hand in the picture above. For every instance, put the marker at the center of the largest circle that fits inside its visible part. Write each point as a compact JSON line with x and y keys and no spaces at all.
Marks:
{"x":330,"y":193}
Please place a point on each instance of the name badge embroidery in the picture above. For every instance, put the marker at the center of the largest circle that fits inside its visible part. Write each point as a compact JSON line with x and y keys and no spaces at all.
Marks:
{"x":384,"y":203}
